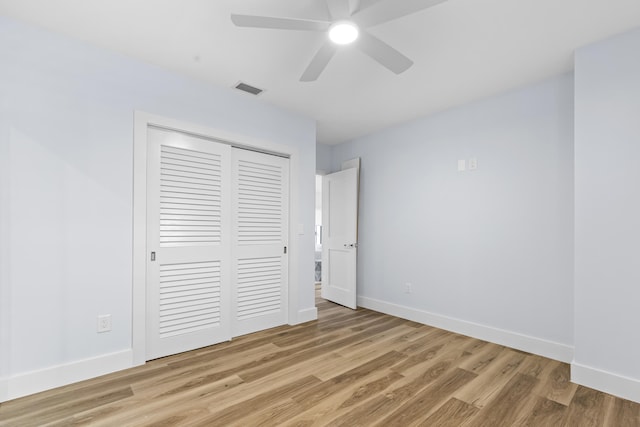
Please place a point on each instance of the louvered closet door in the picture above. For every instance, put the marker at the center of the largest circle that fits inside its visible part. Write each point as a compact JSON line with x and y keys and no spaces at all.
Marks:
{"x":188,"y":220}
{"x":260,"y":228}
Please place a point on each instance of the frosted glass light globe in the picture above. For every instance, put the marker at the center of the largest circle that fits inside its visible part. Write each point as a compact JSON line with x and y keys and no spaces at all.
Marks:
{"x":343,"y":32}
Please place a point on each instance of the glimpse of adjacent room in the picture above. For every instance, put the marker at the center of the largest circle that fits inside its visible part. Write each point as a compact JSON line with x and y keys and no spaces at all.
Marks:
{"x":318,"y":230}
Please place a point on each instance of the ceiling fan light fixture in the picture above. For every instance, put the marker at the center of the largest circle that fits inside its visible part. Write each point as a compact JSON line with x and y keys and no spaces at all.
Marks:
{"x":343,"y":32}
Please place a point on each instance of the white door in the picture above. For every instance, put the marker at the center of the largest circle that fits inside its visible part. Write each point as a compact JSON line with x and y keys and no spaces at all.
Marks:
{"x":260,"y":226}
{"x":188,"y":240}
{"x":340,"y":236}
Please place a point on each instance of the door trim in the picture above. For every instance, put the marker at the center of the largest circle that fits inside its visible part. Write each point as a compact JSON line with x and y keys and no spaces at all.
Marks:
{"x":142,"y":121}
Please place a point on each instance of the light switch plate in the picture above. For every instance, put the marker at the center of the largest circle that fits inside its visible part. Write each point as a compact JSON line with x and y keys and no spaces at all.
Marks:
{"x":473,"y":163}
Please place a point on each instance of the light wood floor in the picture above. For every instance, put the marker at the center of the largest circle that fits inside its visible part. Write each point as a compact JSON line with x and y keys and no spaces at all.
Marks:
{"x":351,"y":368}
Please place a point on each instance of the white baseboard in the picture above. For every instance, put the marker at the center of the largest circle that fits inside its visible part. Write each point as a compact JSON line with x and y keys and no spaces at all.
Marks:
{"x":306,"y":315}
{"x":550,"y":349}
{"x":624,"y":387}
{"x":57,"y":376}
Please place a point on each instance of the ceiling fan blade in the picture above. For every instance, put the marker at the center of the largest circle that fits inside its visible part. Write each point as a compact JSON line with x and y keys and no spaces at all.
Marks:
{"x":363,"y":4}
{"x":319,"y":62}
{"x":279,"y":23}
{"x":388,"y":10}
{"x":338,"y":9}
{"x":383,"y":53}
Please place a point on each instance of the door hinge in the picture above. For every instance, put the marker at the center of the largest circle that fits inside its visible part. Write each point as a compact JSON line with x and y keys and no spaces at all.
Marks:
{"x":285,"y":249}
{"x":153,"y":256}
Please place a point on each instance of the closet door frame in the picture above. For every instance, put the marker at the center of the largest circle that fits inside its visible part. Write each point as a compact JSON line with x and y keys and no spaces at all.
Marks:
{"x":142,"y":121}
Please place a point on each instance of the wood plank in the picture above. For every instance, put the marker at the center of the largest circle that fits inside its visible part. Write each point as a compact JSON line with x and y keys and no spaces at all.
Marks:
{"x":454,"y":413}
{"x":370,"y":389}
{"x":313,"y":395}
{"x":558,"y":386}
{"x":586,"y":409}
{"x":362,"y":415}
{"x":501,"y":370}
{"x":343,"y":399}
{"x":535,"y":366}
{"x":80,"y":404}
{"x":392,"y":337}
{"x":186,"y":377}
{"x":439,"y":344}
{"x":379,"y":406}
{"x":188,"y":405}
{"x":428,"y":399}
{"x":235,"y":413}
{"x":623,"y":413}
{"x":266,"y":367}
{"x":482,"y":359}
{"x":544,"y":413}
{"x":31,"y":405}
{"x":505,"y":408}
{"x":346,"y":320}
{"x":274,"y":415}
{"x":454,"y":348}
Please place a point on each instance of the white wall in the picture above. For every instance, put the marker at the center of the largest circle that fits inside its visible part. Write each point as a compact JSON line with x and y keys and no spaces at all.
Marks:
{"x":488,"y":252}
{"x":607,"y":216}
{"x":66,"y":141}
{"x":323,"y":157}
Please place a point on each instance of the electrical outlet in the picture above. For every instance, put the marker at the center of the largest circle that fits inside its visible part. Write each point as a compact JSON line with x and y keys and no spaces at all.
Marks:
{"x":104,"y":323}
{"x":407,"y":288}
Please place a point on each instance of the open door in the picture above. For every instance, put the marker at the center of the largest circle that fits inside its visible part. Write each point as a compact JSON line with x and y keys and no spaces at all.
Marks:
{"x":340,"y":236}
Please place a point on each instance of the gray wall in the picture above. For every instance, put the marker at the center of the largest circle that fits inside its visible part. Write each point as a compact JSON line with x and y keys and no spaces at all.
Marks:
{"x":323,"y":158}
{"x":66,"y":147}
{"x":607,"y":218}
{"x":489,"y":250}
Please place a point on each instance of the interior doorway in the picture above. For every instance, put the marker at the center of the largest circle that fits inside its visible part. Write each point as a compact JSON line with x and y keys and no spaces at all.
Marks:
{"x":340,"y":236}
{"x":318,"y":231}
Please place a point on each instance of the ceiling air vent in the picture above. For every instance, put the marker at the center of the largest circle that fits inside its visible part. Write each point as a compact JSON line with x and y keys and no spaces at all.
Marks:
{"x":248,"y":88}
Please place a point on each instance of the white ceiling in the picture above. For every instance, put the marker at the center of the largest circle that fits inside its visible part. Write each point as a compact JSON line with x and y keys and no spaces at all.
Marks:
{"x":463,"y":50}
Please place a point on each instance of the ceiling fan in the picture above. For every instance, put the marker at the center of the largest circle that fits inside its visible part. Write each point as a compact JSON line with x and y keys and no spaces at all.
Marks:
{"x":345,"y":28}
